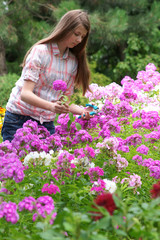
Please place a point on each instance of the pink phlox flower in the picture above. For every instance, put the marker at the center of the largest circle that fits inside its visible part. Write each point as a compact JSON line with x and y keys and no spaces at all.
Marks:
{"x":82,"y":136}
{"x":59,"y":85}
{"x":86,"y":152}
{"x":28,"y":203}
{"x":128,"y":95}
{"x":121,"y":162}
{"x":138,"y":159}
{"x":50,"y":189}
{"x":153,"y":136}
{"x":143,"y":149}
{"x":89,"y":151}
{"x":94,"y":173}
{"x":123,"y":109}
{"x":109,"y":109}
{"x":98,"y":186}
{"x":154,"y":169}
{"x":64,"y":159}
{"x":7,"y":147}
{"x":150,"y":66}
{"x":133,"y":181}
{"x":127,"y":81}
{"x":113,"y":126}
{"x":134,"y":140}
{"x":44,"y":207}
{"x":11,"y":167}
{"x":79,"y":153}
{"x":8,"y":210}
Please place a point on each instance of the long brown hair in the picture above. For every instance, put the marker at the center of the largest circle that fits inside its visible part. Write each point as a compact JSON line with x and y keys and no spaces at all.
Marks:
{"x":67,"y":24}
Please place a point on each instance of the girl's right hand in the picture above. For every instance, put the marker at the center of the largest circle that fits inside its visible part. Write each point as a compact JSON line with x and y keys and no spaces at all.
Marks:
{"x":58,"y":107}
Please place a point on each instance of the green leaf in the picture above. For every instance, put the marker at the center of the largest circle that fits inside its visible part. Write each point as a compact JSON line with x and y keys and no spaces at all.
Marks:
{"x":78,"y":126}
{"x":69,"y":124}
{"x":68,"y":226}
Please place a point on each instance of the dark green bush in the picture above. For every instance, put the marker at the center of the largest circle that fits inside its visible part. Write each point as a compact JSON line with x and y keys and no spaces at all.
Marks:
{"x":7,"y":82}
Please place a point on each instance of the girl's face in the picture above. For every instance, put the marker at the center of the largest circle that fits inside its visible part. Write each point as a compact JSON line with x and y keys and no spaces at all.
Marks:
{"x":76,"y":37}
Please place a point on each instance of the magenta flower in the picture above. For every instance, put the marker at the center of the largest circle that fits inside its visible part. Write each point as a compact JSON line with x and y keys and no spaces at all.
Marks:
{"x":28,"y":203}
{"x":59,"y":85}
{"x":8,"y":210}
{"x":50,"y":189}
{"x":143,"y":149}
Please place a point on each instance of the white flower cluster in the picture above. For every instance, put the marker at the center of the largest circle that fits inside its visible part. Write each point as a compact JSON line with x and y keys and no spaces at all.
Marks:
{"x":110,"y":186}
{"x":36,"y":158}
{"x":84,"y":162}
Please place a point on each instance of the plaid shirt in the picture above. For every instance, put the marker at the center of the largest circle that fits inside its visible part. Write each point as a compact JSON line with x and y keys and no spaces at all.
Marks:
{"x":43,"y":66}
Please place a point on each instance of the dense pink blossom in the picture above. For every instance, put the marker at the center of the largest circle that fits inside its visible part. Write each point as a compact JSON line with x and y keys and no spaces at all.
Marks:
{"x":50,"y":189}
{"x":11,"y":167}
{"x":59,"y":85}
{"x":8,"y":210}
{"x":82,"y":136}
{"x":134,"y":140}
{"x":143,"y":149}
{"x":124,"y":109}
{"x":28,"y":203}
{"x":94,"y":173}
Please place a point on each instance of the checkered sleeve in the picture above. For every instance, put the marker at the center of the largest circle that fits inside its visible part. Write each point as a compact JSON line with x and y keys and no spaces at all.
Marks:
{"x":33,"y":64}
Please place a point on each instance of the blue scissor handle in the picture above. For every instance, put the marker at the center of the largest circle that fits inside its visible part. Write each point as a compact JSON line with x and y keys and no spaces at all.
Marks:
{"x":93,"y":106}
{"x":91,"y":113}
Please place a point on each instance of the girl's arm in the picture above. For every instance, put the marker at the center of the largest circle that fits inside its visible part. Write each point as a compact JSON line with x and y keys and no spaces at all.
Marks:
{"x":28,"y":96}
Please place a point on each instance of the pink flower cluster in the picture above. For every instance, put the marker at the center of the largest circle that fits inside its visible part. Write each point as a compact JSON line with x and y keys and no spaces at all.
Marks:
{"x":82,"y":136}
{"x":121,"y":162}
{"x":94,"y":173}
{"x":143,"y":149}
{"x":84,"y":152}
{"x":59,"y":85}
{"x":9,"y":212}
{"x":11,"y":167}
{"x":152,"y":165}
{"x":33,"y":137}
{"x":133,"y":181}
{"x":50,"y":189}
{"x":42,"y":207}
{"x":128,"y":95}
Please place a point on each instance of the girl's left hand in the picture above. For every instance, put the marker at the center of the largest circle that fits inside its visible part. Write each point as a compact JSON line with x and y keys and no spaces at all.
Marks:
{"x":85,"y":115}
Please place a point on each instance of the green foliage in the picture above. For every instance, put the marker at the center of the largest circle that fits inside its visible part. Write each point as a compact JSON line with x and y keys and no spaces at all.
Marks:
{"x":65,"y":6}
{"x":99,"y":78}
{"x":33,"y":31}
{"x":138,"y":55}
{"x":8,"y":32}
{"x":7,"y":83}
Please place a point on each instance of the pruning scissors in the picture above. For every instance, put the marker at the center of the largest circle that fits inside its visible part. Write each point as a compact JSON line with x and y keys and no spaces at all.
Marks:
{"x":92,"y":112}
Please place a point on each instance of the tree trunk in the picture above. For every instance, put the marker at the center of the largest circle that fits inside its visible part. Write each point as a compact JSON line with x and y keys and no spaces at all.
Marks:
{"x":3,"y":67}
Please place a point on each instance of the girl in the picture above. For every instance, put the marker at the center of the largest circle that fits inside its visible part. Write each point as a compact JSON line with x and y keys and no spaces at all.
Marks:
{"x":61,"y":55}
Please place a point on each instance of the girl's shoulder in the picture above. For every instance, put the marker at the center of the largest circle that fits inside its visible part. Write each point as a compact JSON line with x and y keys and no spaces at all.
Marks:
{"x":44,"y":47}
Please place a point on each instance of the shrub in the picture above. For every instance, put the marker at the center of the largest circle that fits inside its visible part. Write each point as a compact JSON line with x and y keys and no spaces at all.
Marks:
{"x":7,"y":83}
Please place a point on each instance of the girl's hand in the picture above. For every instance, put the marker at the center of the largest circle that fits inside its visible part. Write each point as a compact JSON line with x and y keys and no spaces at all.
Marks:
{"x":85,"y":115}
{"x":59,"y":108}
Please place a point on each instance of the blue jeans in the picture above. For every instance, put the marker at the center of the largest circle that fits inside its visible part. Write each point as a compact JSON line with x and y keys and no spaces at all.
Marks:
{"x":13,"y":121}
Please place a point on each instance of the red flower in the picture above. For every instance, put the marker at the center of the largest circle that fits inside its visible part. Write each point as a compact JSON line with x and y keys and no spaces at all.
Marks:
{"x":104,"y":200}
{"x":155,"y":191}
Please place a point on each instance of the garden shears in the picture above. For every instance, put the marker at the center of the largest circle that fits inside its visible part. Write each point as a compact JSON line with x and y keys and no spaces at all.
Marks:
{"x":92,"y":112}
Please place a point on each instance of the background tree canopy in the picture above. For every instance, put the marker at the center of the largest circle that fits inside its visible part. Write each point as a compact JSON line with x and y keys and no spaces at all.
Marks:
{"x":125,"y":34}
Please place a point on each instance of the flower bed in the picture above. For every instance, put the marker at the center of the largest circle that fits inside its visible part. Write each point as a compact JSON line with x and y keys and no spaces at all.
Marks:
{"x":96,"y":179}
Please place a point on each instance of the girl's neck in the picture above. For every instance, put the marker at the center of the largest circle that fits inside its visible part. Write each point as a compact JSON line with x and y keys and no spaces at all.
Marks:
{"x":61,"y":47}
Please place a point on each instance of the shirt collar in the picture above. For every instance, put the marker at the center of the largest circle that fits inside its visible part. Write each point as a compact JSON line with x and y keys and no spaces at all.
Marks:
{"x":57,"y":52}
